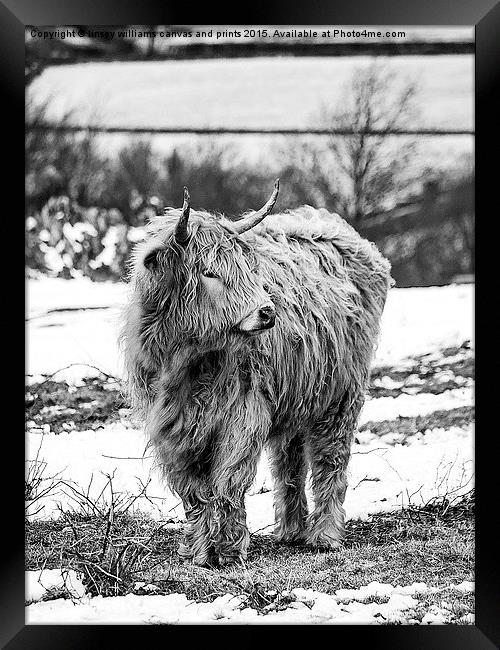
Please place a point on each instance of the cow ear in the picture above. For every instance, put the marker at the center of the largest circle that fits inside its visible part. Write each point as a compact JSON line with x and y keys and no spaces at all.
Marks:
{"x":151,"y":259}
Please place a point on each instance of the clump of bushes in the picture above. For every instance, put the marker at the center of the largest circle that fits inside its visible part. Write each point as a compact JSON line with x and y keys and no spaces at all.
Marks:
{"x":67,"y":240}
{"x":83,"y":218}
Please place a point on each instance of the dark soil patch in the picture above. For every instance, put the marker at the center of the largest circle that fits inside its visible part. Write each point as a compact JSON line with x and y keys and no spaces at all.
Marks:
{"x":406,"y":427}
{"x":84,"y":407}
{"x":426,"y":374}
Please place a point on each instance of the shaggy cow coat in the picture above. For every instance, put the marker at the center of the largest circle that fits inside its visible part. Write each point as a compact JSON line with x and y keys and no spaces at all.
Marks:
{"x":213,"y":390}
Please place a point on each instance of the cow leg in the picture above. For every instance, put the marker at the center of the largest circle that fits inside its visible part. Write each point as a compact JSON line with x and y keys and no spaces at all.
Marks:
{"x":330,"y":450}
{"x":199,"y":531}
{"x":232,"y":477}
{"x":234,"y":465}
{"x":289,"y":472}
{"x":194,"y":489}
{"x":233,"y":537}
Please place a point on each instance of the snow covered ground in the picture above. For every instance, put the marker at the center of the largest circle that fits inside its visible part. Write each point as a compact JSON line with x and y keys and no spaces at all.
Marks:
{"x":382,"y":474}
{"x":415,"y":321}
{"x":76,"y":322}
{"x":347,"y":606}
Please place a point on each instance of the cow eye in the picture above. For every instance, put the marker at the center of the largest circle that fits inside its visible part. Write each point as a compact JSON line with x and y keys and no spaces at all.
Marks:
{"x":210,"y":274}
{"x":151,"y":259}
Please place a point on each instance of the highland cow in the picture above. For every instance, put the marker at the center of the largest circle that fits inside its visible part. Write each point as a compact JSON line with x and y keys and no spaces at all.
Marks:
{"x":240,"y":336}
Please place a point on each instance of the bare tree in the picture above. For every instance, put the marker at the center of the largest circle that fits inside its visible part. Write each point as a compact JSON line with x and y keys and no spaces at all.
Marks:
{"x":58,"y":163}
{"x":308,"y":177}
{"x":359,"y":174}
{"x":371,"y":168}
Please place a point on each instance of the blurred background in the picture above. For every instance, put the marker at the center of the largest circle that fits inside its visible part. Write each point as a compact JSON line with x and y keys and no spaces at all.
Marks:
{"x":379,"y":130}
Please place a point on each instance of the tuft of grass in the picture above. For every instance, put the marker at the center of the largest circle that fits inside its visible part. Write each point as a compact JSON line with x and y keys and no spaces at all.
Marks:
{"x":99,"y":538}
{"x":37,"y":483}
{"x":457,"y":603}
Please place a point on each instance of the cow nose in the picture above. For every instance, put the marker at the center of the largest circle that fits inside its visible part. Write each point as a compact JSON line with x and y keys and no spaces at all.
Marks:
{"x":267,"y":314}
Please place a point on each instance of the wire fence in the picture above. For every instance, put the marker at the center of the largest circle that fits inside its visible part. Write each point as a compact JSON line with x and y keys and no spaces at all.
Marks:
{"x":438,"y":227}
{"x":187,"y":130}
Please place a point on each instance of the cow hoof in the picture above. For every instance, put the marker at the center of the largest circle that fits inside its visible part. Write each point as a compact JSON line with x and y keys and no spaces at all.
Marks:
{"x":231,"y":559}
{"x":206,"y":558}
{"x":324,"y":542}
{"x":294,"y":538}
{"x":203,"y":560}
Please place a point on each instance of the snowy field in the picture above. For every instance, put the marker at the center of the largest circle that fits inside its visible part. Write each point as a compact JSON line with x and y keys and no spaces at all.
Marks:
{"x":139,"y":94}
{"x":346,"y":606}
{"x":76,"y":322}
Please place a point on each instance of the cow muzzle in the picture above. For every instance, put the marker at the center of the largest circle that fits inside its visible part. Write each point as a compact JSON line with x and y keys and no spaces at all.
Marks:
{"x":259,"y":320}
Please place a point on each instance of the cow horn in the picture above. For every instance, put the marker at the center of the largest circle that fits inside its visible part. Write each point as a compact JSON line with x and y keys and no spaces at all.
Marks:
{"x":256,"y":217}
{"x":181,"y":230}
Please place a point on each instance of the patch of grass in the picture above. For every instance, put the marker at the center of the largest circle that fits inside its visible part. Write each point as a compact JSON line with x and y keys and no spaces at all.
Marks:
{"x":406,"y":427}
{"x":110,"y":551}
{"x":75,"y":408}
{"x":99,"y":538}
{"x":432,"y":544}
{"x":426,"y":374}
{"x":457,"y":603}
{"x":65,"y":407}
